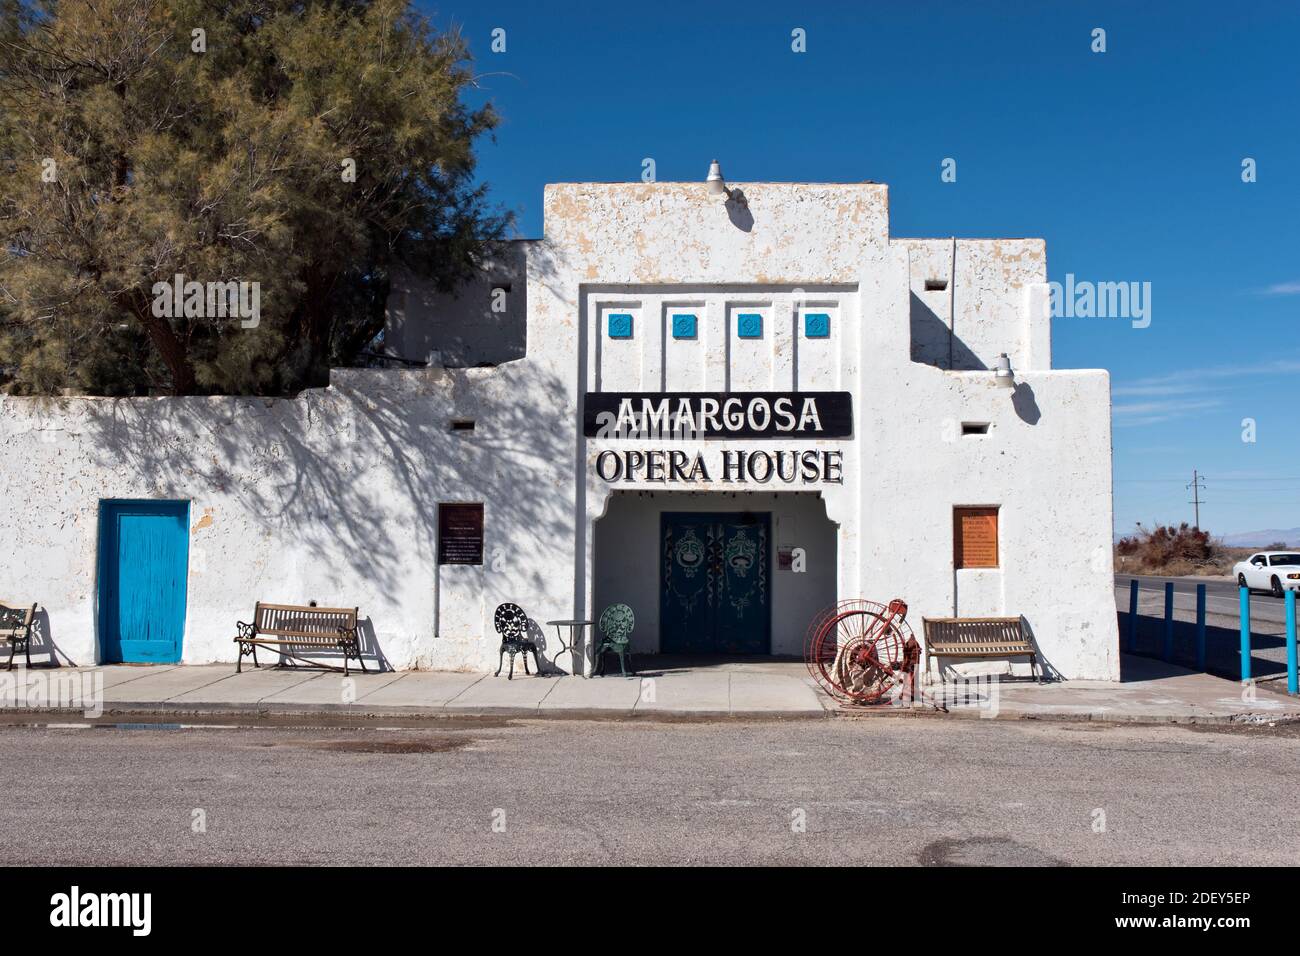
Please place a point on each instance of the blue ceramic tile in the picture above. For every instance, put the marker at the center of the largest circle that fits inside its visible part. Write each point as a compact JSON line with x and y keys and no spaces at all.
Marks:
{"x":749,"y":325}
{"x":620,"y":325}
{"x":816,"y":325}
{"x":683,"y":326}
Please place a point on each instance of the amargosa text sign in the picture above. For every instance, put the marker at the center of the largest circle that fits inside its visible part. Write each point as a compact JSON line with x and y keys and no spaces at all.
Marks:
{"x":718,"y":415}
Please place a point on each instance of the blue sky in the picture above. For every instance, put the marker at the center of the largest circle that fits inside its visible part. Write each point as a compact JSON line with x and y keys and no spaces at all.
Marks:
{"x":1128,"y":162}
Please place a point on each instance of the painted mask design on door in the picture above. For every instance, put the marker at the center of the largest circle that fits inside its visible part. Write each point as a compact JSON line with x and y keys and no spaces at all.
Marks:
{"x":714,"y":583}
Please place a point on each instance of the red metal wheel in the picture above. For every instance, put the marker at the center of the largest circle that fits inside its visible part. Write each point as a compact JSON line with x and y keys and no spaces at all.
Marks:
{"x":869,"y":658}
{"x":857,"y":652}
{"x":819,"y":641}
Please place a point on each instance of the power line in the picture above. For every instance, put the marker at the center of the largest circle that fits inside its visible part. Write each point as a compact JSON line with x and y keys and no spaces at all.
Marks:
{"x":1170,"y":480}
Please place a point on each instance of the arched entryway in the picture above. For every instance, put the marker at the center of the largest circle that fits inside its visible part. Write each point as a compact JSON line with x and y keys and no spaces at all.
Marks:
{"x":716,"y":572}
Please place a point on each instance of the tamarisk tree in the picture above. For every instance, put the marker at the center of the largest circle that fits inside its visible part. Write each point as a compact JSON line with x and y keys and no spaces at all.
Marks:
{"x":298,"y":149}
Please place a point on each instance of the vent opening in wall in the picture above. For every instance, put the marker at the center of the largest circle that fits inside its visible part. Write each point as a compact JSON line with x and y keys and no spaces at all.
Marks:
{"x":936,"y":285}
{"x":974,"y":428}
{"x":462,"y":424}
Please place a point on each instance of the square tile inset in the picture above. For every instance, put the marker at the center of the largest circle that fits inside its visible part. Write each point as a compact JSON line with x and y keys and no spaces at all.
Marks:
{"x":816,"y":325}
{"x":749,"y":325}
{"x":620,"y":325}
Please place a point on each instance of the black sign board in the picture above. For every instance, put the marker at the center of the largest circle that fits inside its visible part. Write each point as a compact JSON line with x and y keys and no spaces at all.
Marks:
{"x":712,"y":415}
{"x":460,"y":534}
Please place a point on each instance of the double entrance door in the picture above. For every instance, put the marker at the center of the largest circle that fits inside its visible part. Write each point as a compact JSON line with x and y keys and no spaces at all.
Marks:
{"x":715,"y":582}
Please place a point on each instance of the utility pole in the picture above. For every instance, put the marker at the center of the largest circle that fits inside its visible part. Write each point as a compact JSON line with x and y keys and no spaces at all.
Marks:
{"x":1196,"y":486}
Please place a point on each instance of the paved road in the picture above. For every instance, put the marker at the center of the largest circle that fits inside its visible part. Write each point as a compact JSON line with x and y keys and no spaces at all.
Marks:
{"x":878,"y":790}
{"x":1221,"y":596}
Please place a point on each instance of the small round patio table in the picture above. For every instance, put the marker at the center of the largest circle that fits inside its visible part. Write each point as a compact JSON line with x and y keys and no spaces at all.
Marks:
{"x":575,"y":633}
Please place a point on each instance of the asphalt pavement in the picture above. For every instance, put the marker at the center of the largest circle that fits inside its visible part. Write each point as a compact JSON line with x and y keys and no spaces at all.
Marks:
{"x":1223,"y":625}
{"x":876,"y":791}
{"x":1222,"y":596}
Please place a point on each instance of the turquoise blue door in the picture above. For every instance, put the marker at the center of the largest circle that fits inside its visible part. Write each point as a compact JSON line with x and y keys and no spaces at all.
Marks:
{"x":714,"y":583}
{"x":143,"y":566}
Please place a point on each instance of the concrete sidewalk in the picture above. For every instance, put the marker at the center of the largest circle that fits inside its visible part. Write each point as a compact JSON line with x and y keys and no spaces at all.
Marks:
{"x":762,"y":688}
{"x":1150,"y":692}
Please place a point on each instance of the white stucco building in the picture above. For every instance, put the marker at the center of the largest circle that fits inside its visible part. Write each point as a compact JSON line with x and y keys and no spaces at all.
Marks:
{"x":833,"y":425}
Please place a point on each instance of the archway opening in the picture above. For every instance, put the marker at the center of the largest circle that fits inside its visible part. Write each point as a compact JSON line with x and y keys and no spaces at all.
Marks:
{"x":727,"y":574}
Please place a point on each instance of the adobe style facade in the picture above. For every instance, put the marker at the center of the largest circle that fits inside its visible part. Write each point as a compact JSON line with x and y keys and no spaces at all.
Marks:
{"x":725,"y":412}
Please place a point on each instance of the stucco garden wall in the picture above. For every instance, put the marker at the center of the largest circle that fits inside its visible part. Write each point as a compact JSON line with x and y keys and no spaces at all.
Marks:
{"x":331,"y":496}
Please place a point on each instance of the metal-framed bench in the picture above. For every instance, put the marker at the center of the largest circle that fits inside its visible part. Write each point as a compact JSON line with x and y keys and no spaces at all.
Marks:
{"x":15,"y":629}
{"x":289,"y":627}
{"x":978,"y":638}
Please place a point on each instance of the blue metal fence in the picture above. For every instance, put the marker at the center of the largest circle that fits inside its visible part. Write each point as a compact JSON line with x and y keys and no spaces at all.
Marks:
{"x":1166,"y":639}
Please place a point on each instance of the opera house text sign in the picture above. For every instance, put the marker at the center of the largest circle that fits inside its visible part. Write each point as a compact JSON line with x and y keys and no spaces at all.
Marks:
{"x":713,"y":416}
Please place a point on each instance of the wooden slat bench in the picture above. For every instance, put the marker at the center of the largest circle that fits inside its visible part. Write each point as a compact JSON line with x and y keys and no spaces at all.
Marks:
{"x":288,"y":627}
{"x":16,"y":628}
{"x":978,"y":638}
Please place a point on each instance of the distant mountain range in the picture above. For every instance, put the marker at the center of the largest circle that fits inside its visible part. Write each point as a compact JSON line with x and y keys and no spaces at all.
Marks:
{"x":1290,"y":537}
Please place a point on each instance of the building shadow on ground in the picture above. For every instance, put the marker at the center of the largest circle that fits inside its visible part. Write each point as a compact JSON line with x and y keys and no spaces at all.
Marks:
{"x":1222,"y":648}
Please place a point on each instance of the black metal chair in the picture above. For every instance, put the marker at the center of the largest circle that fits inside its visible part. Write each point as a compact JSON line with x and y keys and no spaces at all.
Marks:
{"x":511,"y":623}
{"x":16,"y":629}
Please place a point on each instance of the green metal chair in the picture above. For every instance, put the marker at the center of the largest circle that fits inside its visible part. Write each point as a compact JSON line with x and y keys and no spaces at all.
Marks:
{"x":616,"y":625}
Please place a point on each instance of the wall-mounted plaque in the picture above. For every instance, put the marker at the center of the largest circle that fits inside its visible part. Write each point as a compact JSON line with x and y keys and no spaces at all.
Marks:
{"x":975,"y":537}
{"x":460,"y":534}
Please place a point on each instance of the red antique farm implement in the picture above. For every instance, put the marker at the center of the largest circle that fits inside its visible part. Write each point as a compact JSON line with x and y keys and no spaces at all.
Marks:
{"x":860,"y":651}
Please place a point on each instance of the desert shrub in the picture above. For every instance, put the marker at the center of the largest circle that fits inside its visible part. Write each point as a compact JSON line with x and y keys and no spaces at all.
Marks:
{"x":1166,"y":547}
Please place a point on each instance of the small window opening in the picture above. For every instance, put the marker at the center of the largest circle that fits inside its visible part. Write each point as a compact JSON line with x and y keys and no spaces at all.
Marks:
{"x":462,"y":425}
{"x":936,"y":285}
{"x":974,"y":428}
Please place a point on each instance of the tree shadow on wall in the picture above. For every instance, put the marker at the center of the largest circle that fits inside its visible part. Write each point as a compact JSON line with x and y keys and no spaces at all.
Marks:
{"x":483,"y":322}
{"x":302,"y":464}
{"x":349,"y":478}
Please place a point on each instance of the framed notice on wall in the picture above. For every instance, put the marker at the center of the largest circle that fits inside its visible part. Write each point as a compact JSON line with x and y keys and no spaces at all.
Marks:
{"x":975,"y":537}
{"x":460,"y":534}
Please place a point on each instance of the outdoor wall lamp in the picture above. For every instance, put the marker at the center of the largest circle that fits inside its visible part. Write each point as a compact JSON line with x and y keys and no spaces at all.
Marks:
{"x":1002,"y":374}
{"x":717,"y":186}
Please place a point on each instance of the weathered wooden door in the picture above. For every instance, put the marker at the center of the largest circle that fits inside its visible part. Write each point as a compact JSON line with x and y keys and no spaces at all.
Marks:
{"x":143,"y":570}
